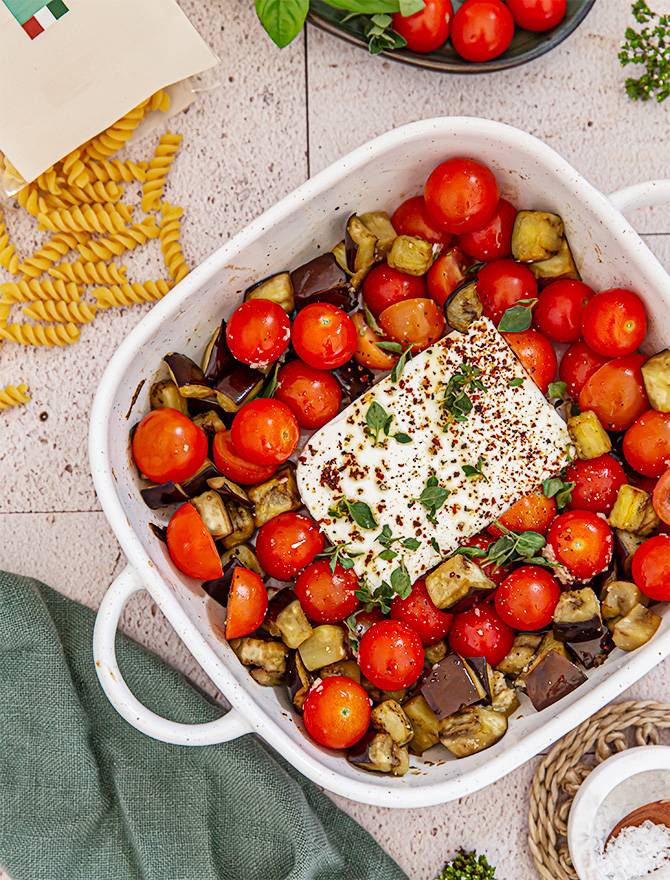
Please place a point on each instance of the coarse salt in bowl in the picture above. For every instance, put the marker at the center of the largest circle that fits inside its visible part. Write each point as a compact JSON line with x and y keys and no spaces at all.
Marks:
{"x":636,"y":853}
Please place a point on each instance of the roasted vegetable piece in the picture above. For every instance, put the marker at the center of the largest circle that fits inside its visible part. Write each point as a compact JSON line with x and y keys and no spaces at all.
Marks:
{"x":242,"y":525}
{"x":425,"y":724}
{"x":243,"y":554}
{"x":166,"y":393}
{"x":277,"y":288}
{"x":577,"y":616}
{"x":323,"y":647}
{"x":266,"y":679}
{"x":378,"y":696}
{"x":340,"y":254}
{"x":390,"y":717}
{"x":503,"y":698}
{"x":463,"y":306}
{"x":354,"y":379}
{"x":472,"y":730}
{"x":625,"y":545}
{"x":536,"y":236}
{"x":458,"y":579}
{"x":218,"y":588}
{"x":480,"y":669}
{"x":343,"y":667}
{"x":268,"y":655}
{"x":451,"y":685}
{"x":588,"y":435}
{"x":199,"y":482}
{"x":360,"y":245}
{"x":197,"y":406}
{"x":560,"y":266}
{"x":656,"y":378}
{"x":377,"y":752}
{"x":238,"y":386}
{"x":379,"y":224}
{"x":411,"y":255}
{"x":286,"y":620}
{"x":594,"y":652}
{"x":163,"y":494}
{"x":278,"y":495}
{"x":636,"y":628}
{"x":551,"y":679}
{"x":298,"y":680}
{"x":210,"y":422}
{"x":217,"y":360}
{"x":618,"y":598}
{"x":520,"y":655}
{"x":187,"y":376}
{"x":436,"y":652}
{"x":230,"y":490}
{"x":213,"y":511}
{"x":323,"y":280}
{"x":633,"y":511}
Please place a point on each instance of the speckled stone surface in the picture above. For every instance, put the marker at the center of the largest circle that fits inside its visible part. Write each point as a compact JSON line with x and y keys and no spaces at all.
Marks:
{"x":265,"y":120}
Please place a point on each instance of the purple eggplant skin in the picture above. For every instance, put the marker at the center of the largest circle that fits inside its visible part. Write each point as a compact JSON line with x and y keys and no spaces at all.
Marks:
{"x":239,"y":383}
{"x":294,"y":682}
{"x":197,"y":406}
{"x":159,"y":531}
{"x":323,"y":280}
{"x":481,"y":669}
{"x":186,"y":374}
{"x":463,"y":305}
{"x":448,"y":687}
{"x":220,"y":359}
{"x":474,"y":596}
{"x":163,"y":495}
{"x":354,"y":378}
{"x":219,"y":588}
{"x":359,"y":753}
{"x":594,"y":652}
{"x":553,"y":678}
{"x":198,"y":484}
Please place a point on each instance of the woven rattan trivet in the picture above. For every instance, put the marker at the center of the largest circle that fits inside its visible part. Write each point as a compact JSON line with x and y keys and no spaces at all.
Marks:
{"x":617,"y":727}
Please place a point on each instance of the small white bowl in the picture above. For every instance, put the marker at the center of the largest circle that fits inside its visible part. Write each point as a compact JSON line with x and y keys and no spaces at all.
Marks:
{"x":621,"y":784}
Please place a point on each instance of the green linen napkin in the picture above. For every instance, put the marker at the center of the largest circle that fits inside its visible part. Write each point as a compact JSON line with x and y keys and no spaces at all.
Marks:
{"x":85,"y":796}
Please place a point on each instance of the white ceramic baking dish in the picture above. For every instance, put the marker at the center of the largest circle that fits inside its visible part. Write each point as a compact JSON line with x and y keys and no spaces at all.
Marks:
{"x":376,"y":176}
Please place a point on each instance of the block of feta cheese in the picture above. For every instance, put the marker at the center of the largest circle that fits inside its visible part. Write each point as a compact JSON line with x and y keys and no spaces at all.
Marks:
{"x":512,"y":435}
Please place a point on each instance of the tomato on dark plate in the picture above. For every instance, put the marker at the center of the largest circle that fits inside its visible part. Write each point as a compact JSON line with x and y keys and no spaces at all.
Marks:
{"x":287,"y":543}
{"x":536,"y":354}
{"x":538,"y":15}
{"x":258,"y":332}
{"x":323,"y":336}
{"x":577,"y":366}
{"x":427,"y":29}
{"x":384,"y":286}
{"x":480,"y":632}
{"x":314,"y":396}
{"x":167,"y":445}
{"x":558,"y":313}
{"x":482,"y":29}
{"x":616,"y":393}
{"x":247,"y":603}
{"x":461,"y":195}
{"x":232,"y":465}
{"x":412,"y":218}
{"x":527,"y":598}
{"x":419,"y":612}
{"x":502,"y":284}
{"x":191,"y":545}
{"x":647,"y":443}
{"x":651,"y":568}
{"x":493,"y":240}
{"x":265,"y":432}
{"x":614,"y":322}
{"x":336,"y":712}
{"x":597,"y":482}
{"x":327,"y":596}
{"x":391,"y":655}
{"x":582,"y":542}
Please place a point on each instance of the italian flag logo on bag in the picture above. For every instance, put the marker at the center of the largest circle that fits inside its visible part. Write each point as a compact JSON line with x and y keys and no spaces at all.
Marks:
{"x":35,"y":16}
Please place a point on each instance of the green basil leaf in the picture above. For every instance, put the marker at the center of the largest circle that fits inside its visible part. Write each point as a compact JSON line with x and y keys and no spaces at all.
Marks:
{"x":409,"y":7}
{"x":361,"y":514}
{"x":282,"y":19}
{"x":367,"y":7}
{"x":518,"y":318}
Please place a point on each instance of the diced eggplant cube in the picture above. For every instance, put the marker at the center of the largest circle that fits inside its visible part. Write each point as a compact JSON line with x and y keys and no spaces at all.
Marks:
{"x":166,"y":394}
{"x":238,"y":386}
{"x":378,"y":696}
{"x":162,"y":495}
{"x":378,"y":753}
{"x":325,"y":646}
{"x":379,"y":224}
{"x":213,"y":512}
{"x":561,"y":266}
{"x":536,"y":236}
{"x":553,"y":678}
{"x":278,"y":495}
{"x":360,"y":245}
{"x":390,"y":717}
{"x":472,"y":730}
{"x":277,"y":288}
{"x":197,"y":406}
{"x":636,"y":628}
{"x":450,"y":685}
{"x":618,"y":599}
{"x":210,"y":422}
{"x":630,"y":509}
{"x":217,"y":360}
{"x":425,"y":724}
{"x":354,"y":378}
{"x":268,"y":655}
{"x":230,"y":491}
{"x":480,"y":669}
{"x":199,"y":482}
{"x":298,"y":680}
{"x":625,"y":545}
{"x":243,"y":554}
{"x":266,"y":679}
{"x":411,"y":255}
{"x":520,"y":655}
{"x":588,"y":435}
{"x":656,"y":378}
{"x":463,"y":307}
{"x":436,"y":652}
{"x":503,"y":697}
{"x":218,"y":588}
{"x":577,"y":616}
{"x":348,"y":668}
{"x":456,"y":579}
{"x":322,"y":280}
{"x":242,"y":523}
{"x":594,"y":652}
{"x":293,"y":625}
{"x":187,"y":376}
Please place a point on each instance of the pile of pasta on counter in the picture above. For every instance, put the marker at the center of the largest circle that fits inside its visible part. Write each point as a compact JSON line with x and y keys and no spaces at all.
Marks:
{"x":78,"y":269}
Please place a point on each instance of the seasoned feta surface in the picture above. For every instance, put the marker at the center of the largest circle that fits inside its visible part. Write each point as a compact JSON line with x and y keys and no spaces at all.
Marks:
{"x":512,"y":435}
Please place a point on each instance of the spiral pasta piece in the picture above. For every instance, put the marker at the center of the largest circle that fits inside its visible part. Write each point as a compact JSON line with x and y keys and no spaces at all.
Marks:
{"x":110,"y":141}
{"x":77,"y":313}
{"x":74,"y":169}
{"x":160,"y":100}
{"x":8,"y":258}
{"x":97,"y":192}
{"x":87,"y":218}
{"x":56,"y":248}
{"x":126,"y":239}
{"x":173,"y":256}
{"x":32,"y":334}
{"x":13,"y":396}
{"x":33,"y":290}
{"x":50,"y":181}
{"x":116,"y":171}
{"x":83,"y":272}
{"x":127,"y":294}
{"x":159,"y":166}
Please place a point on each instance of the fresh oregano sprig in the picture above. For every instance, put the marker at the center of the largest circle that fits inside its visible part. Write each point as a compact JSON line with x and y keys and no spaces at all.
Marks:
{"x":519,"y":317}
{"x":386,"y":539}
{"x":650,"y":46}
{"x":456,"y":402}
{"x":476,"y":470}
{"x":396,"y":348}
{"x":558,"y":488}
{"x":339,"y":553}
{"x":433,"y":497}
{"x":359,"y":512}
{"x":512,"y":547}
{"x":377,"y":422}
{"x":401,"y":585}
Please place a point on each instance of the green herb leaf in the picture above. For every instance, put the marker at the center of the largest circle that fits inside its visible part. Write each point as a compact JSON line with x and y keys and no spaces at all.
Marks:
{"x":650,"y":47}
{"x":511,"y":547}
{"x":402,"y":438}
{"x":409,"y":7}
{"x":411,"y":543}
{"x":518,"y":318}
{"x":385,"y":345}
{"x":516,"y":382}
{"x":435,"y":546}
{"x":556,"y":487}
{"x":476,"y":470}
{"x":456,"y":402}
{"x":367,"y":7}
{"x":385,"y":537}
{"x":400,"y":581}
{"x":361,"y":514}
{"x":387,"y":555}
{"x":470,"y":552}
{"x":371,"y":320}
{"x":339,"y":553}
{"x":376,"y":420}
{"x":282,"y":19}
{"x":350,"y":623}
{"x":472,"y":270}
{"x":270,"y":386}
{"x":433,"y":497}
{"x":396,"y":372}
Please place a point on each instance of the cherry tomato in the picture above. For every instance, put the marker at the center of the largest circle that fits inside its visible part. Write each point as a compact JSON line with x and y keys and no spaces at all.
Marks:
{"x":651,"y":568}
{"x":582,"y":541}
{"x":412,"y":218}
{"x":265,"y":432}
{"x":391,"y":655}
{"x":247,"y":603}
{"x":577,"y":366}
{"x":327,"y":596}
{"x":532,"y":513}
{"x":480,"y":632}
{"x":461,"y":195}
{"x":368,"y":353}
{"x":597,"y":484}
{"x":232,"y":465}
{"x":287,"y":543}
{"x":414,"y":322}
{"x":482,"y":29}
{"x":614,"y":322}
{"x":336,"y":712}
{"x":384,"y":286}
{"x":363,"y":619}
{"x":538,"y":15}
{"x":313,"y":395}
{"x":502,"y":284}
{"x":616,"y":393}
{"x":323,"y":336}
{"x":527,"y":599}
{"x":537,"y":356}
{"x":558,"y":313}
{"x":493,"y":240}
{"x":191,"y":545}
{"x":419,"y":612}
{"x":258,"y":332}
{"x":446,"y":273}
{"x":647,"y":443}
{"x":496,"y":573}
{"x":168,"y":446}
{"x":661,"y":498}
{"x":427,"y":29}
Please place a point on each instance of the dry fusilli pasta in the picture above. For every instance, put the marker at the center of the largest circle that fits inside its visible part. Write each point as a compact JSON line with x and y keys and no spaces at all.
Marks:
{"x":160,"y":100}
{"x":90,"y":273}
{"x":170,"y":246}
{"x":113,"y":245}
{"x":32,"y":291}
{"x":8,"y":257}
{"x":87,"y":218}
{"x":110,"y":141}
{"x":31,"y":334}
{"x":78,"y":313}
{"x":74,"y":169}
{"x":117,"y":171}
{"x":92,"y":192}
{"x":50,"y":181}
{"x":51,"y":253}
{"x":127,"y":294}
{"x":13,"y":396}
{"x":159,"y":166}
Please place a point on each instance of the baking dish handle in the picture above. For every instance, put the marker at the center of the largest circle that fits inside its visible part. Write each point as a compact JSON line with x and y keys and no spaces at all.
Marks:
{"x":641,"y":195}
{"x":128,"y":706}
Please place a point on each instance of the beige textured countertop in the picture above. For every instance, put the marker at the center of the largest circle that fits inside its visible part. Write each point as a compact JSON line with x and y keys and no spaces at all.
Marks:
{"x":273,"y":119}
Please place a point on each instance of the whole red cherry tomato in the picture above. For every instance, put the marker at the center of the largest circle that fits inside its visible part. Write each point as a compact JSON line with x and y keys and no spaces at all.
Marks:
{"x":502,"y":284}
{"x":265,"y":432}
{"x":482,"y":29}
{"x":323,"y":336}
{"x":414,"y":322}
{"x":527,"y":599}
{"x":647,"y":443}
{"x":168,"y":446}
{"x":480,"y":632}
{"x":577,"y":366}
{"x":391,"y":655}
{"x":446,"y":273}
{"x":247,"y":603}
{"x":614,"y":322}
{"x":661,"y":498}
{"x":538,"y":15}
{"x":493,"y":240}
{"x":532,"y":513}
{"x":313,"y":395}
{"x":495,"y":573}
{"x":363,"y":619}
{"x":327,"y":596}
{"x":597,"y":484}
{"x":461,"y":195}
{"x":616,"y":393}
{"x":368,"y":353}
{"x":427,"y":29}
{"x":558,"y":313}
{"x":537,"y":356}
{"x":191,"y":545}
{"x":258,"y":332}
{"x":412,"y":218}
{"x":232,"y":465}
{"x":287,"y":543}
{"x":651,"y":568}
{"x":384,"y":286}
{"x":336,"y":712}
{"x":419,"y":612}
{"x":582,"y":542}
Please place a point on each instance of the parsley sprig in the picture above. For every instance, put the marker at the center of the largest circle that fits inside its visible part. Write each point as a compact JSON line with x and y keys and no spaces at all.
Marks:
{"x":378,"y":422}
{"x":476,"y":470}
{"x":456,"y":402}
{"x":359,"y":512}
{"x":433,"y":497}
{"x":650,"y":47}
{"x":522,"y":547}
{"x":340,"y":553}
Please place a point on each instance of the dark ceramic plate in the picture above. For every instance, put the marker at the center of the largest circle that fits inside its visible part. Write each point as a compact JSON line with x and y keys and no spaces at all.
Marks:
{"x":526,"y":46}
